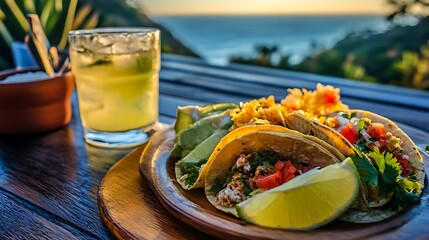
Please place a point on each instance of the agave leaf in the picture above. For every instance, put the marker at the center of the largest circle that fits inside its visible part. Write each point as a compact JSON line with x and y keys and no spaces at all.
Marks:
{"x":4,"y":32}
{"x":52,"y":18}
{"x":29,"y":6}
{"x":68,"y":23}
{"x":58,"y":5}
{"x":2,"y":15}
{"x":93,"y":21}
{"x":18,"y":14}
{"x":47,"y":12}
{"x":81,"y":15}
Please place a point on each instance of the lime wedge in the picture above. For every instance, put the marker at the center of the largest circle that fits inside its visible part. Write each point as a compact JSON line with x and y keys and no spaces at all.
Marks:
{"x":305,"y":202}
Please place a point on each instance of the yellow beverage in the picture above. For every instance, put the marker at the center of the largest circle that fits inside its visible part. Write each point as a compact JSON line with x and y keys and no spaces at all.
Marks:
{"x":117,"y":92}
{"x":116,"y":72}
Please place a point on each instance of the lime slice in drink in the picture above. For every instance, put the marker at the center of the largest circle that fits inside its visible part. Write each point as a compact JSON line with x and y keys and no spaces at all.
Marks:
{"x":305,"y":202}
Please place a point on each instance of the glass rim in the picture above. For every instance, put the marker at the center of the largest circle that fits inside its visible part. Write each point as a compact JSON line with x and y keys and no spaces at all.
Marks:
{"x":112,"y":30}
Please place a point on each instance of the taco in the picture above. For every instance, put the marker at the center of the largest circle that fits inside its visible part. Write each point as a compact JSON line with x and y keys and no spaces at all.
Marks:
{"x":258,"y":161}
{"x":390,"y":166}
{"x":191,"y":170}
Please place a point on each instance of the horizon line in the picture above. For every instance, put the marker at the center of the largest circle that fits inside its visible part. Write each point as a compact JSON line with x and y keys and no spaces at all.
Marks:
{"x":265,"y":14}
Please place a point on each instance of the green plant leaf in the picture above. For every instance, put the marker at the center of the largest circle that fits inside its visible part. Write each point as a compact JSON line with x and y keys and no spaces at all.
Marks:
{"x":29,"y":6}
{"x":81,"y":15}
{"x":68,"y":23}
{"x":4,"y":32}
{"x":18,"y":14}
{"x":47,"y":12}
{"x":93,"y":21}
{"x":58,"y":5}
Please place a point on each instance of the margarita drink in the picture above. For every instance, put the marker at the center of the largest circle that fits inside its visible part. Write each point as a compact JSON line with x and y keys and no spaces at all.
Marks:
{"x":117,"y":83}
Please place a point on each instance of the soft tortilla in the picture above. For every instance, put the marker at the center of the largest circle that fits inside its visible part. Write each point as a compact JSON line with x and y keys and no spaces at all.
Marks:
{"x":289,"y":145}
{"x":304,"y":125}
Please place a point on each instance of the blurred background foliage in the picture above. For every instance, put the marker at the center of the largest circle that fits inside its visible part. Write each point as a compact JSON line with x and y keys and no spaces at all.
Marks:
{"x":60,"y":16}
{"x":399,"y":56}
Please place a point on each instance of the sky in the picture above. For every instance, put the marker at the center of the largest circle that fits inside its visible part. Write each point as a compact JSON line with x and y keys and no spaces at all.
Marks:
{"x":263,"y":7}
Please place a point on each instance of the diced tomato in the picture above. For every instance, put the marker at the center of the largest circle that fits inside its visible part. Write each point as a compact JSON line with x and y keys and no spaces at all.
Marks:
{"x":407,"y":171}
{"x":310,"y":166}
{"x":305,"y":169}
{"x":289,"y":171}
{"x":404,"y":162}
{"x":269,"y":181}
{"x":287,"y":176}
{"x":278,"y":166}
{"x":380,"y":143}
{"x":349,"y":132}
{"x":288,"y":164}
{"x":330,"y":96}
{"x":289,"y":167}
{"x":376,"y":130}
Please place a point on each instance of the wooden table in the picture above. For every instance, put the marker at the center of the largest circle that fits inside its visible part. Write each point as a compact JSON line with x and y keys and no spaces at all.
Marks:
{"x":49,"y":182}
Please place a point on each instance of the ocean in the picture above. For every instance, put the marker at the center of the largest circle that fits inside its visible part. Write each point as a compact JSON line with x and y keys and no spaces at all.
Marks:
{"x":217,"y":38}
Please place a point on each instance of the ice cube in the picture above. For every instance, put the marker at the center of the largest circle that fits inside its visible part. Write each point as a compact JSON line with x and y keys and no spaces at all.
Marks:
{"x":124,"y":45}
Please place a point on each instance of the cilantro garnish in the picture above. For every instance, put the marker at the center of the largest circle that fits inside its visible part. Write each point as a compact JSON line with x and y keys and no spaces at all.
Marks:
{"x":367,"y":172}
{"x":403,"y":198}
{"x":247,"y":189}
{"x":361,"y":145}
{"x":217,"y":186}
{"x":193,"y":170}
{"x":384,"y":177}
{"x":427,"y":149}
{"x":348,"y":115}
{"x":384,"y":160}
{"x":267,"y":158}
{"x":193,"y":173}
{"x":362,"y":123}
{"x":410,"y":186}
{"x":386,"y":173}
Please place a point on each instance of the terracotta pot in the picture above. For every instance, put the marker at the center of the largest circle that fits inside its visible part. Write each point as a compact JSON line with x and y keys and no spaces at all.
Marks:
{"x":37,"y":106}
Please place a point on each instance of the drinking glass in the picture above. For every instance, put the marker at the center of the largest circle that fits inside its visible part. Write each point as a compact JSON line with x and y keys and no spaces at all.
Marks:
{"x":117,"y":78}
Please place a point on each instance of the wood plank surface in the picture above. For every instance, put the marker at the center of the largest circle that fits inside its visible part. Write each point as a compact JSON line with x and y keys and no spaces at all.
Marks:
{"x":28,"y":221}
{"x":58,"y":173}
{"x":126,"y":198}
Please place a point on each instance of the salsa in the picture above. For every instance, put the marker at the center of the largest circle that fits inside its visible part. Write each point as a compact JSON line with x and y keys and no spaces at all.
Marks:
{"x":256,"y":172}
{"x":366,"y":135}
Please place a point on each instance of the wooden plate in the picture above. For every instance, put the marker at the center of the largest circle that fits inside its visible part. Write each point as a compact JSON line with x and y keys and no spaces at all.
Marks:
{"x":192,"y":207}
{"x":131,"y":210}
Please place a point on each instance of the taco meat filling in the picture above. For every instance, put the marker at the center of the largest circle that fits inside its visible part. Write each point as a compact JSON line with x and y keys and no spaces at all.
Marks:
{"x":256,"y":172}
{"x":366,"y":135}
